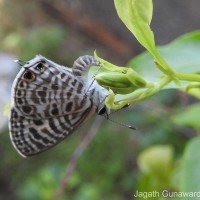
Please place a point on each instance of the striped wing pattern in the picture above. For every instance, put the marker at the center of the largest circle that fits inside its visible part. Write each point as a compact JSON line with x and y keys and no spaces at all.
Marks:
{"x":49,"y":102}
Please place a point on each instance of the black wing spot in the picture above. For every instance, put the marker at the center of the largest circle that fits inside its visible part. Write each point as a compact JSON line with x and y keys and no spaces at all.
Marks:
{"x":42,"y":93}
{"x":21,"y":84}
{"x":26,"y":109}
{"x":55,"y":111}
{"x":54,"y":87}
{"x":40,"y":67}
{"x":19,"y":101}
{"x":69,"y":107}
{"x":38,"y":122}
{"x":28,"y":76}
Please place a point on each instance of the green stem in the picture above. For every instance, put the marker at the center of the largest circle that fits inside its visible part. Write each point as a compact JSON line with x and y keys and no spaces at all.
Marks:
{"x":188,"y":77}
{"x":145,"y":94}
{"x":162,"y":64}
{"x":192,"y":86}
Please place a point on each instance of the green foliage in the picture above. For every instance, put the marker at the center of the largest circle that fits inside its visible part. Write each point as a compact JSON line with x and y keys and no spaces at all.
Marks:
{"x":42,"y":185}
{"x":43,"y":40}
{"x":190,"y":174}
{"x":156,"y":164}
{"x":175,"y":65}
{"x":137,"y":15}
{"x":182,"y":54}
{"x":188,"y":116}
{"x":107,"y":170}
{"x":97,"y":173}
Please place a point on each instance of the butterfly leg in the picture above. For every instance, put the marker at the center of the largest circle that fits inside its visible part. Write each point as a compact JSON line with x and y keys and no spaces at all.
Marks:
{"x":82,"y":64}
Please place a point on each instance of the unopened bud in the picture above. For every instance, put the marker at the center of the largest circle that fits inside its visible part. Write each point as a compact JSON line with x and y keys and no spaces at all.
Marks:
{"x":120,"y":83}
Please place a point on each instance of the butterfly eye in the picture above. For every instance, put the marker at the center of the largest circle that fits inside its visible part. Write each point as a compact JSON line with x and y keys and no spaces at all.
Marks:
{"x":28,"y":76}
{"x":102,"y":110}
{"x":40,"y":67}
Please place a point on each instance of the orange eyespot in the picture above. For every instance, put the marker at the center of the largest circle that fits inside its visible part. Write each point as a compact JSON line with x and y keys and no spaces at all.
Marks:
{"x":40,"y":67}
{"x":28,"y":76}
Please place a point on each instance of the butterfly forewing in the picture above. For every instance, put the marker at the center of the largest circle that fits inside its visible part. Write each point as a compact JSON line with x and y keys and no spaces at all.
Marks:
{"x":48,"y":103}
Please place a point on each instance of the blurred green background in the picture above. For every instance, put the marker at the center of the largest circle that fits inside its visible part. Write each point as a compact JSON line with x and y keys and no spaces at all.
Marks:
{"x":118,"y":161}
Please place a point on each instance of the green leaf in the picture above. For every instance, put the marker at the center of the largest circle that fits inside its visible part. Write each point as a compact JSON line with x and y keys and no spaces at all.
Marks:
{"x":182,"y":54}
{"x":190,"y":174}
{"x":189,"y":117}
{"x":137,"y":15}
{"x":156,"y":164}
{"x":156,"y":161}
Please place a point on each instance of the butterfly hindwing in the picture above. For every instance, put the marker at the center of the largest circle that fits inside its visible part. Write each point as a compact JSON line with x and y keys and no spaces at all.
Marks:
{"x":48,"y":104}
{"x":32,"y":136}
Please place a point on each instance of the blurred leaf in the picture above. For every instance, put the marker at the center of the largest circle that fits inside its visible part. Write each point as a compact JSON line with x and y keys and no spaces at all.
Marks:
{"x":156,"y":164}
{"x":188,"y":117}
{"x":7,"y":109}
{"x":43,"y":40}
{"x":42,"y":185}
{"x":156,"y":160}
{"x":88,"y":191}
{"x":11,"y":41}
{"x":75,"y":180}
{"x":190,"y":175}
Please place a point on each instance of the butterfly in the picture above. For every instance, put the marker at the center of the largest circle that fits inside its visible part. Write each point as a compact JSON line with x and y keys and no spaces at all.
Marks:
{"x":50,"y":101}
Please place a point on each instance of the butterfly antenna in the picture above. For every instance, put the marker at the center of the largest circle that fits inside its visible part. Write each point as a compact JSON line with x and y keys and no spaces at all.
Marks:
{"x":20,"y":62}
{"x":106,"y":115}
{"x":121,"y":124}
{"x":94,"y":77}
{"x":91,"y":84}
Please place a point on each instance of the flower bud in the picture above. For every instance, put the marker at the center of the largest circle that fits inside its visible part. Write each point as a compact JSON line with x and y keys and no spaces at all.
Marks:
{"x":120,"y":83}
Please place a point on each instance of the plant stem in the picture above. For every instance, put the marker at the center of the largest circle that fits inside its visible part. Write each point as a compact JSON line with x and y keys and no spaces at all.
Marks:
{"x":188,"y":77}
{"x":139,"y":96}
{"x":162,"y":64}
